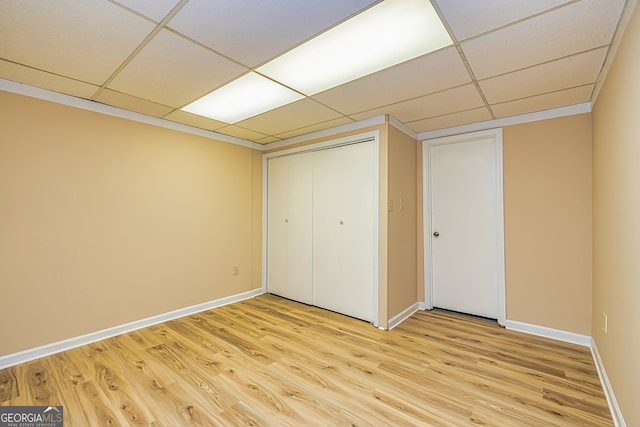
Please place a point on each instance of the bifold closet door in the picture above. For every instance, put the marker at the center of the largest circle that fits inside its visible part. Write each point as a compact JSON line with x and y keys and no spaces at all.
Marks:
{"x":344,"y":229}
{"x":289,"y":232}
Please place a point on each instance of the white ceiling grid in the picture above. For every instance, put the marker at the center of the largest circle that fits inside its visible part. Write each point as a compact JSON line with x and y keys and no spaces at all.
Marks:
{"x":156,"y":56}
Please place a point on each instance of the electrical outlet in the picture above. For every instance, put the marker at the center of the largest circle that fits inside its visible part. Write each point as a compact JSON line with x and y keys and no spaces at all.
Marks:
{"x":236,"y":270}
{"x":390,"y":205}
{"x":605,"y":323}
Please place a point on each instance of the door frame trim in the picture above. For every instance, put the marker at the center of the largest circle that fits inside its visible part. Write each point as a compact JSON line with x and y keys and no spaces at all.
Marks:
{"x":370,"y":136}
{"x":496,"y":134}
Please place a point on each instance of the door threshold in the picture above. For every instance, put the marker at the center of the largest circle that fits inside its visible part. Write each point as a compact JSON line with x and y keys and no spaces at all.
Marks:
{"x":460,"y":313}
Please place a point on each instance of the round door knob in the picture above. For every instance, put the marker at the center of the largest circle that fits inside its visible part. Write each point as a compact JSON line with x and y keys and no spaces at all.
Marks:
{"x":341,"y":222}
{"x":436,"y":234}
{"x":286,"y":220}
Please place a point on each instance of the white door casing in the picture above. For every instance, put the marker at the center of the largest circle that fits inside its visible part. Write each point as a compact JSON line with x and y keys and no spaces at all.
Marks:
{"x":464,"y":265}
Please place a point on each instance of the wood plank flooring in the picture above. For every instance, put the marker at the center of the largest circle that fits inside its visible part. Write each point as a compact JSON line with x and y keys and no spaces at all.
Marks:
{"x":269,"y":361}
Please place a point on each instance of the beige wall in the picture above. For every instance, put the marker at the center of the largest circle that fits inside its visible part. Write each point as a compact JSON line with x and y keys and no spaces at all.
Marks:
{"x":616,"y":222}
{"x":104,"y":221}
{"x":402,"y":231}
{"x":547,"y":209}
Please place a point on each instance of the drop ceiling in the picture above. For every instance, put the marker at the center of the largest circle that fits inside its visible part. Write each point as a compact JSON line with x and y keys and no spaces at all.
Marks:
{"x":156,"y":56}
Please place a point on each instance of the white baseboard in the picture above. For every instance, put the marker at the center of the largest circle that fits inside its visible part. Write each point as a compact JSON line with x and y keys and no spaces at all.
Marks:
{"x":586,"y":341}
{"x":423,"y":306}
{"x":543,"y":331}
{"x":403,"y":315}
{"x":556,"y":334}
{"x":49,"y":349}
{"x":616,"y":414}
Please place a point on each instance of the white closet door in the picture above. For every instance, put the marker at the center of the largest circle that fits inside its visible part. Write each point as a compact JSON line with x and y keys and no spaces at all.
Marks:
{"x":344,"y":229}
{"x":289,"y":232}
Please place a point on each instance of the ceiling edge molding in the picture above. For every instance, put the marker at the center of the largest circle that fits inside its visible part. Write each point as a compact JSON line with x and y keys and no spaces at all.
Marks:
{"x":360,"y":124}
{"x":570,"y":110}
{"x":402,"y":127}
{"x":625,"y":17}
{"x":84,"y":104}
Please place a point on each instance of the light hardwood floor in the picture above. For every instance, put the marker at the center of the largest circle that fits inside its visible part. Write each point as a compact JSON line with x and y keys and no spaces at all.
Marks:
{"x":269,"y":361}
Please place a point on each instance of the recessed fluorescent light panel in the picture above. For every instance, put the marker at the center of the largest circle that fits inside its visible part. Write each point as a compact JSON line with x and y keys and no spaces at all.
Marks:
{"x":387,"y":34}
{"x":245,"y":97}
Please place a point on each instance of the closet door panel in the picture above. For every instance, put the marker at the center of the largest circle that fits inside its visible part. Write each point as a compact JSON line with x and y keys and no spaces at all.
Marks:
{"x":299,"y":222}
{"x":289,"y":233}
{"x":358,"y":244}
{"x":328,"y":262}
{"x":344,"y":229}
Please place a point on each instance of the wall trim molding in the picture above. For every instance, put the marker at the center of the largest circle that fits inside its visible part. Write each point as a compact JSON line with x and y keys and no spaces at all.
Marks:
{"x":543,"y":331}
{"x":403,"y":315}
{"x":616,"y":413}
{"x":373,"y":135}
{"x":57,"y":347}
{"x":402,"y":127}
{"x":326,"y":133}
{"x":109,"y":110}
{"x":625,"y":17}
{"x":554,"y":113}
{"x":583,"y":340}
{"x":85,"y":104}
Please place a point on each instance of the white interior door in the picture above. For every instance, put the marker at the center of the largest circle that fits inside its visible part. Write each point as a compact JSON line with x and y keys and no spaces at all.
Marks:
{"x":289,"y":218}
{"x":344,"y":230}
{"x":465,"y":251}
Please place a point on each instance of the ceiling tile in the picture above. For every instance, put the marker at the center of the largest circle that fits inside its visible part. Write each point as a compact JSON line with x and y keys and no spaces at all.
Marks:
{"x":30,"y":76}
{"x":450,"y":120}
{"x":547,"y":101}
{"x":194,"y":120}
{"x":296,"y":115}
{"x":252,"y":32}
{"x":472,"y":17}
{"x":85,"y":40}
{"x":156,"y":9}
{"x":316,"y":127}
{"x":430,"y":73}
{"x":174,"y":71}
{"x":449,"y":101}
{"x":571,"y":29}
{"x":565,"y":73}
{"x":132,"y":103}
{"x":528,"y":55}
